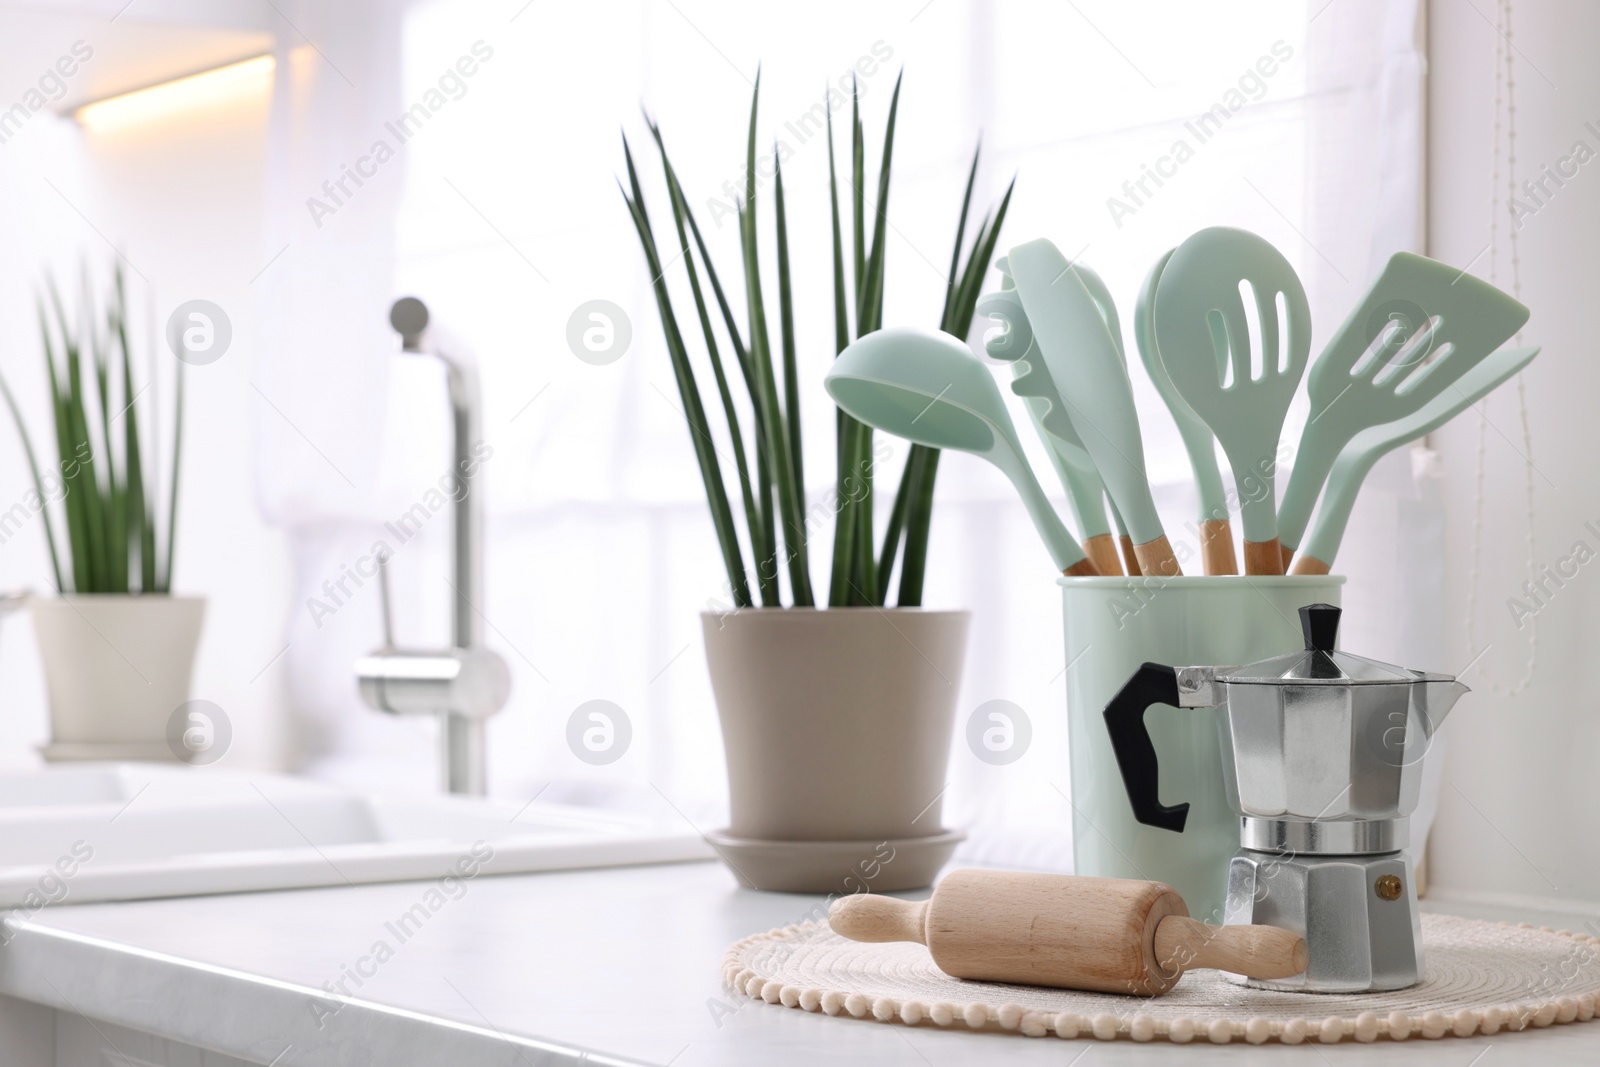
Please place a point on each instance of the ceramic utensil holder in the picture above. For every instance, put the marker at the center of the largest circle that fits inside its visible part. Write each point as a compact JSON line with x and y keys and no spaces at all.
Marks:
{"x":1112,"y":625}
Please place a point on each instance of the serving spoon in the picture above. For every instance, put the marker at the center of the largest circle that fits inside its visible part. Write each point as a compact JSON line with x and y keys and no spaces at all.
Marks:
{"x":1216,"y":533}
{"x":928,"y":387}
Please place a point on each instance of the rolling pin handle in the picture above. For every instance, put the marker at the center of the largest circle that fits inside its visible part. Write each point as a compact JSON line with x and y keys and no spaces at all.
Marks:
{"x":870,"y":917}
{"x":1253,"y":951}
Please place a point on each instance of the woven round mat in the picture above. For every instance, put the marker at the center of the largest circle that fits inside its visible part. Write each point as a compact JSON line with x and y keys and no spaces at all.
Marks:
{"x":1483,"y":977}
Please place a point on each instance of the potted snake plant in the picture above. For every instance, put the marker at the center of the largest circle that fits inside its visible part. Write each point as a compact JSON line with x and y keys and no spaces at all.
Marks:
{"x":836,"y":703}
{"x":117,"y":647}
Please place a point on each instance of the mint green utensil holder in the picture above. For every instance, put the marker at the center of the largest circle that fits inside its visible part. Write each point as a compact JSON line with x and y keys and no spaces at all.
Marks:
{"x":1114,"y":624}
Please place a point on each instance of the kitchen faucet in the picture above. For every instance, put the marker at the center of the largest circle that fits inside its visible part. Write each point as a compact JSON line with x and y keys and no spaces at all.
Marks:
{"x":465,"y":684}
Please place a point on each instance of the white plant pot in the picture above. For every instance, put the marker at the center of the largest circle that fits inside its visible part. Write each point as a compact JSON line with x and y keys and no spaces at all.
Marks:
{"x":116,"y":666}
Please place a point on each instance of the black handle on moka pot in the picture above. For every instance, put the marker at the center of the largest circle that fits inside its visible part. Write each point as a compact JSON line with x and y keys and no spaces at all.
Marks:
{"x":1152,"y":683}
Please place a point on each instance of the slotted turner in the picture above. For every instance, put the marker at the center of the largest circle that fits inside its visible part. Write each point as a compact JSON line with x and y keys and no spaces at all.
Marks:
{"x":1216,"y":533}
{"x":1373,"y":370}
{"x":1092,"y":386}
{"x":1373,"y":444}
{"x":1085,"y":492}
{"x":1203,"y":340}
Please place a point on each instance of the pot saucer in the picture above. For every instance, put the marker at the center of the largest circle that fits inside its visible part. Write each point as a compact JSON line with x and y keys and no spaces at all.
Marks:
{"x":836,"y":866}
{"x":106,"y":751}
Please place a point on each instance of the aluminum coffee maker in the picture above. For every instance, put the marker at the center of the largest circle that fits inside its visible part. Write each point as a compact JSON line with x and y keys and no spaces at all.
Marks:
{"x":1323,"y":762}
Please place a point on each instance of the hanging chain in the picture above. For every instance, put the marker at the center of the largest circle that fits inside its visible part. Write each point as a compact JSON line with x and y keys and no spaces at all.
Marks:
{"x":1505,"y":103}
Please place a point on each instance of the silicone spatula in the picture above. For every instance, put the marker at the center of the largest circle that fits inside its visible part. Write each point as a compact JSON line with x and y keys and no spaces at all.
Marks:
{"x":1101,"y":295}
{"x":1421,"y":326}
{"x":1371,"y":445}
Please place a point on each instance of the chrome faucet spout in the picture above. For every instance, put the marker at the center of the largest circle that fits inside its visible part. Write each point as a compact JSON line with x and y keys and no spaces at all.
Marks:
{"x":465,"y":404}
{"x":468,"y":682}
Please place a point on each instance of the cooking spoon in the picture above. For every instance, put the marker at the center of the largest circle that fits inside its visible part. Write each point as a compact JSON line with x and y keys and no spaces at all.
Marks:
{"x":1372,"y":372}
{"x":1203,"y":340}
{"x":1071,"y":334}
{"x":1371,"y":445}
{"x":1216,"y":534}
{"x":929,"y":388}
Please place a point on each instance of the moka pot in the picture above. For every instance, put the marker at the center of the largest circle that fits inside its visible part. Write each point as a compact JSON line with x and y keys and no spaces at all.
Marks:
{"x":1322,"y":756}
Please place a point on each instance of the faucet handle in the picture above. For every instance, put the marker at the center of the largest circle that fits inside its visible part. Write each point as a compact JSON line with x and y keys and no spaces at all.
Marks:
{"x":472,"y":683}
{"x":409,"y":317}
{"x":385,"y":606}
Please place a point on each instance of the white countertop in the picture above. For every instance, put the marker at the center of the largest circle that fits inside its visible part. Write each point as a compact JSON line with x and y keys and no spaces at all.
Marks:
{"x":621,"y":965}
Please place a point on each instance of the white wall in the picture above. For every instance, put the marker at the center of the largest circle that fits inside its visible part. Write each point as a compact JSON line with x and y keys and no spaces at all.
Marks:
{"x":1521,"y":768}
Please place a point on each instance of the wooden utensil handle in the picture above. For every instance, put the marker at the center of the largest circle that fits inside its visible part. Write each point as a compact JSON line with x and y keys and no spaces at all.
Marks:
{"x":870,"y":917}
{"x":1102,"y":548}
{"x":1182,"y":943}
{"x":1310,"y":565}
{"x":1263,"y":557}
{"x":1129,"y":557}
{"x":1155,"y":557}
{"x":1216,"y":547}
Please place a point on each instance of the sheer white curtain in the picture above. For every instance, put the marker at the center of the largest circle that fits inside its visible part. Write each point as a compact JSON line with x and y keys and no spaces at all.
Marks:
{"x":323,"y":367}
{"x":600,"y":549}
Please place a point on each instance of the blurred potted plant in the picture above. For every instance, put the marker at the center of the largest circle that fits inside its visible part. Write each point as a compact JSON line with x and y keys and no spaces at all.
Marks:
{"x":836,"y":722}
{"x":118,"y":649}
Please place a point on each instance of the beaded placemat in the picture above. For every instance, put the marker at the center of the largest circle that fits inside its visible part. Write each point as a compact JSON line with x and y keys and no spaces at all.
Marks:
{"x":1483,"y":978}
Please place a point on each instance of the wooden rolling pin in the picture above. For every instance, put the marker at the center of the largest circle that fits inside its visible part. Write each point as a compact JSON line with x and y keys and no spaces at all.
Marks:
{"x":1108,"y":935}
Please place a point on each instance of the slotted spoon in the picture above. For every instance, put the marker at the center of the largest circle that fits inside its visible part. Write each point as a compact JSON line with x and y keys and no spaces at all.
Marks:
{"x":1203,"y":340}
{"x":1373,"y":370}
{"x":1216,"y":533}
{"x":1085,"y":492}
{"x":1373,"y":444}
{"x":1091,"y":380}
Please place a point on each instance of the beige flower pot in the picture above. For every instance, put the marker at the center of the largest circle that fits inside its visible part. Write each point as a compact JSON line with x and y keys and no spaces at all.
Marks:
{"x":116,"y":666}
{"x":836,"y":722}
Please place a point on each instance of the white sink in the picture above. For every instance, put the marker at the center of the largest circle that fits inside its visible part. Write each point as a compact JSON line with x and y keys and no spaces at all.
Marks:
{"x":126,"y":831}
